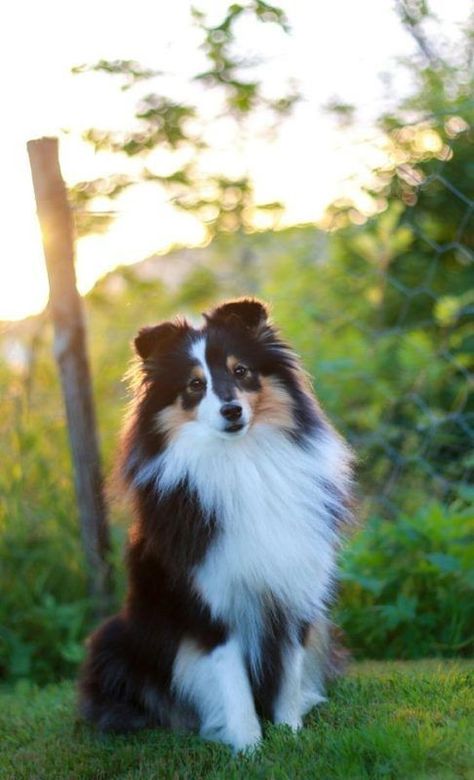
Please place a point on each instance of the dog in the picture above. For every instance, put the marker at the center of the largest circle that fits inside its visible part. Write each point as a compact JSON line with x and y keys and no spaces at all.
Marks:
{"x":241,"y":491}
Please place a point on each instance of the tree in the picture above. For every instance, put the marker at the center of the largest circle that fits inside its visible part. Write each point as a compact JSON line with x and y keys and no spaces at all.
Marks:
{"x":221,"y":202}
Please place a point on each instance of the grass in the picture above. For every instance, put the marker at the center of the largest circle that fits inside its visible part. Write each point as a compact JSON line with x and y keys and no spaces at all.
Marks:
{"x":383,"y":720}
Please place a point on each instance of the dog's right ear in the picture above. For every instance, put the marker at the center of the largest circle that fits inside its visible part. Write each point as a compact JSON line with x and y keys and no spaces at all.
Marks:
{"x":245,"y":312}
{"x":160,"y":338}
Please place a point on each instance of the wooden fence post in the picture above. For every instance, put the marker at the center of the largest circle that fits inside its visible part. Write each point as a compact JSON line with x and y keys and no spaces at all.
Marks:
{"x":56,"y":222}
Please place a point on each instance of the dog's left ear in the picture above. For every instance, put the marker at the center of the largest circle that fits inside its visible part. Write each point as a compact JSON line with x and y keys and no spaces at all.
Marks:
{"x":249,"y":312}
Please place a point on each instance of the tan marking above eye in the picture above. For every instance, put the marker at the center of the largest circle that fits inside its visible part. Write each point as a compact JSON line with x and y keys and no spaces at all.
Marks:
{"x":232,"y":362}
{"x":234,"y":366}
{"x":197,"y":380}
{"x":197,"y":372}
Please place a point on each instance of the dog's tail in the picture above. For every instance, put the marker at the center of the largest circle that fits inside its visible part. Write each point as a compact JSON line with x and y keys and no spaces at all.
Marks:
{"x":327,"y":643}
{"x":325,"y":658}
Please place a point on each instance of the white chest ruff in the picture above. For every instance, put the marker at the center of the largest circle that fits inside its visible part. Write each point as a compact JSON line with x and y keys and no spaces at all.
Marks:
{"x":272,"y":541}
{"x":273,"y":512}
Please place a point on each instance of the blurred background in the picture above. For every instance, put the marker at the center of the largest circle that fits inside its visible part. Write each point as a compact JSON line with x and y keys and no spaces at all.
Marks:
{"x":318,"y":156}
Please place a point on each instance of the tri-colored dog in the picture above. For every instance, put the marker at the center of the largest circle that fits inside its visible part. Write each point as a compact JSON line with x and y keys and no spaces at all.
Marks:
{"x":241,"y":488}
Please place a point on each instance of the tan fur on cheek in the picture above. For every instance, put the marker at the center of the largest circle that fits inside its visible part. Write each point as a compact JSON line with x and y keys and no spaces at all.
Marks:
{"x":171,"y":419}
{"x":273,"y":405}
{"x":247,"y":397}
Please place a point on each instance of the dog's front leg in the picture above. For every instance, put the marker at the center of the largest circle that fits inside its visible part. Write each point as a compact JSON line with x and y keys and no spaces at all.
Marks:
{"x":217,"y":685}
{"x":287,"y":708}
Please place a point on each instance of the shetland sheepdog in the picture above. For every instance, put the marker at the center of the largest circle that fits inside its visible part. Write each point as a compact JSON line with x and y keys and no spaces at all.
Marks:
{"x":241,"y":489}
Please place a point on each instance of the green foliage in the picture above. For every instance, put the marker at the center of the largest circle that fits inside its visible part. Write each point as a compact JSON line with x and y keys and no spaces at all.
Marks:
{"x":393,"y":720}
{"x":43,"y":609}
{"x":226,"y":69}
{"x":408,"y":587}
{"x":222,"y":203}
{"x":130,"y":70}
{"x":199,"y":289}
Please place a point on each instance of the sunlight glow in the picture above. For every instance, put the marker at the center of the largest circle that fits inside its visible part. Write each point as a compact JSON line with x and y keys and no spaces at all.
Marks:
{"x":308,"y":165}
{"x":428,"y":140}
{"x":23,"y":278}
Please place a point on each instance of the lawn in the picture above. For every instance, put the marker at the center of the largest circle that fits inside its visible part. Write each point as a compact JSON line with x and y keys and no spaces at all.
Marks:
{"x":383,"y":720}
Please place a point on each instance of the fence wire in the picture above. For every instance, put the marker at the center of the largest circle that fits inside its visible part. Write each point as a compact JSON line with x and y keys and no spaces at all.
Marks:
{"x":426,"y":436}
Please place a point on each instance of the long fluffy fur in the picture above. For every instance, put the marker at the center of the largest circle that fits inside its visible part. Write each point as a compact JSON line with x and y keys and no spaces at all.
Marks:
{"x":232,"y":554}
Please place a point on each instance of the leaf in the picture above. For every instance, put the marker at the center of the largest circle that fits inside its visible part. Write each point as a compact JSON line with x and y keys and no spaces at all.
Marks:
{"x":371,"y":584}
{"x":443,"y":562}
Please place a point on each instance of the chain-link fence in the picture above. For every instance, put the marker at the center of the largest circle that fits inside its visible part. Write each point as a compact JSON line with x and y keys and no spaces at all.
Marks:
{"x":425,"y":439}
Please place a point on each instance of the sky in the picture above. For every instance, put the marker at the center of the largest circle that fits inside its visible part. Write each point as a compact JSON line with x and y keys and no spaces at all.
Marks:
{"x":335,"y":49}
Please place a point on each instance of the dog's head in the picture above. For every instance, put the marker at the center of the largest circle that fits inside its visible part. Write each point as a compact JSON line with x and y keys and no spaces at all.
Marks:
{"x":227,"y":377}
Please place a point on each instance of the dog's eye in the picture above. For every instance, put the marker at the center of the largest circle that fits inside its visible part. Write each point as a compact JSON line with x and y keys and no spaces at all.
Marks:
{"x":240,"y":371}
{"x":197,"y":385}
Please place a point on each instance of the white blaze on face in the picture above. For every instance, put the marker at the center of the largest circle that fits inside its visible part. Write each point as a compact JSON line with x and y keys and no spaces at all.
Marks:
{"x":209,"y":409}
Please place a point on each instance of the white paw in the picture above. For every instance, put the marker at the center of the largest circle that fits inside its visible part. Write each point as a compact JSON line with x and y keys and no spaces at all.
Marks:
{"x":244,"y":738}
{"x":248,"y":746}
{"x":311,"y":699}
{"x":294,"y":722}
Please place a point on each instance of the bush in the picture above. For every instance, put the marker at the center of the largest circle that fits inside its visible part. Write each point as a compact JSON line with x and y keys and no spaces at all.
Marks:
{"x":408,"y":587}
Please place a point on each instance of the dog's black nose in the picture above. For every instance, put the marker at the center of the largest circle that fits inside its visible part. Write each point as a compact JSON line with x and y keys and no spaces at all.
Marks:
{"x":231,"y":411}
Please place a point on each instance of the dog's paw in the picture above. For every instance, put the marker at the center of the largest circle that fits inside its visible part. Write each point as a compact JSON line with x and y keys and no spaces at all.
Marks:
{"x":244,"y":738}
{"x":248,"y":747}
{"x":249,"y":741}
{"x":293,"y":722}
{"x":311,"y":699}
